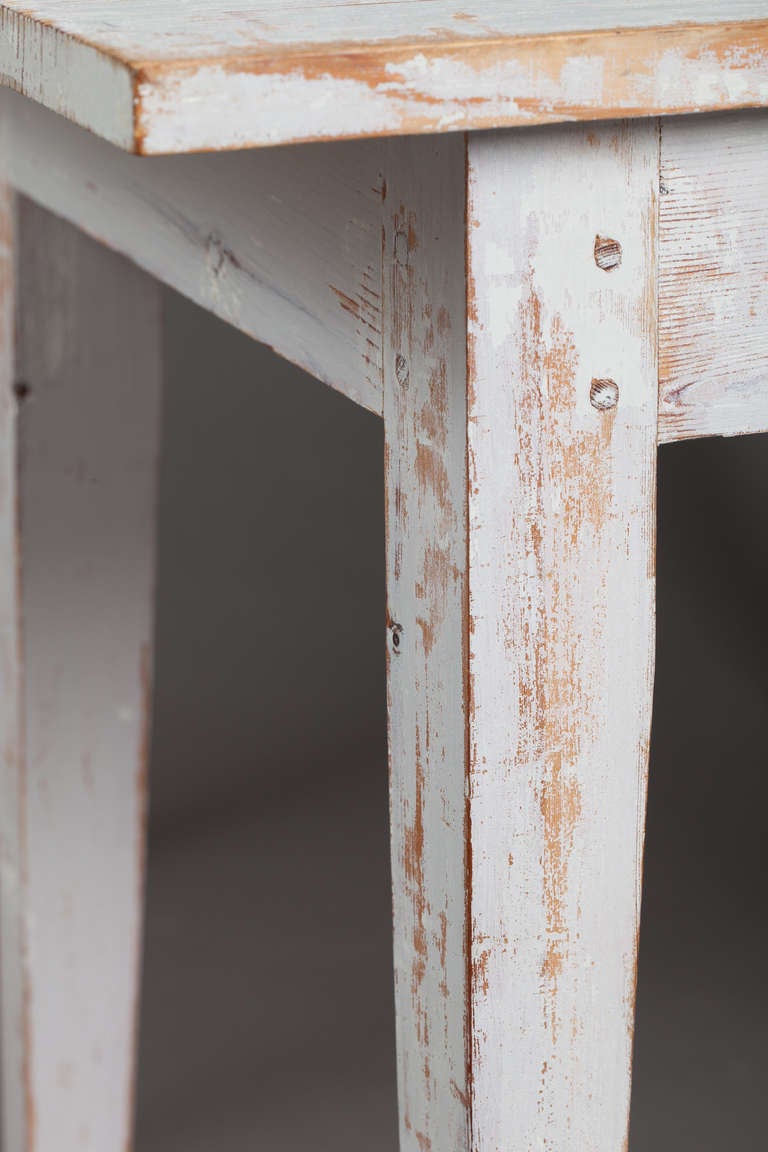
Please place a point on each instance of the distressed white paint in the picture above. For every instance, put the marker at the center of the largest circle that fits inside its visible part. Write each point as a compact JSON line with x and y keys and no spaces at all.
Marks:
{"x":713,"y":277}
{"x":285,"y":245}
{"x":81,"y":82}
{"x":561,"y":557}
{"x":164,"y":30}
{"x":521,"y":574}
{"x":439,"y":89}
{"x":75,"y":719}
{"x":425,"y":428}
{"x":208,"y":76}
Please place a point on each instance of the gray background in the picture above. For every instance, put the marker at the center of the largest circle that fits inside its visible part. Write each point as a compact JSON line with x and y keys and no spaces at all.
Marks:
{"x":267,"y":1012}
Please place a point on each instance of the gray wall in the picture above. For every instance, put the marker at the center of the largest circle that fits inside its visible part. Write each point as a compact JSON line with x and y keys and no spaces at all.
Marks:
{"x":267,"y":1018}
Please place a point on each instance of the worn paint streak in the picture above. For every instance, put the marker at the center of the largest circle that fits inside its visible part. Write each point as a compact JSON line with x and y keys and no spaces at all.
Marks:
{"x":560,"y":810}
{"x":554,"y":695}
{"x":413,"y":860}
{"x":439,"y":576}
{"x":362,"y":308}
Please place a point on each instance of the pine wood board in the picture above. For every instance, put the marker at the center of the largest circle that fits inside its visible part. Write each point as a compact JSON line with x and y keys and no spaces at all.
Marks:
{"x":171,"y":76}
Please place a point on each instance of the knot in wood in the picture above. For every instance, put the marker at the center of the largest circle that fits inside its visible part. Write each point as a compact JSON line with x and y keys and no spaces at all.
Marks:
{"x":603,"y":394}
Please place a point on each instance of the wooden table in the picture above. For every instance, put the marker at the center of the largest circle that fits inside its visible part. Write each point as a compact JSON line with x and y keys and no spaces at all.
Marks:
{"x":531,"y":310}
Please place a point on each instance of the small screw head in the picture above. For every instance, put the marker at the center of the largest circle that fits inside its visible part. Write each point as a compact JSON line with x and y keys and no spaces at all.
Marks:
{"x":396,"y":631}
{"x":607,"y":253}
{"x":603,"y":394}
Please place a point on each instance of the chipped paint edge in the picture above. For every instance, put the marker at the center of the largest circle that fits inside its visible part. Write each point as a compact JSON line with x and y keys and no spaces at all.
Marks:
{"x":440,"y":85}
{"x":413,"y":85}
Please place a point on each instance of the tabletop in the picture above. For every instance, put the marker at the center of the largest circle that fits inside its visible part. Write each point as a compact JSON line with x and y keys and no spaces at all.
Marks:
{"x":165,"y":76}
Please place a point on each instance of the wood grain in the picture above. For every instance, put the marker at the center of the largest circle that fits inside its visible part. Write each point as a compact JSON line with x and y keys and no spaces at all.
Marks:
{"x":165,"y":76}
{"x":81,"y":396}
{"x":284,"y":245}
{"x":425,"y":467}
{"x":164,"y":30}
{"x":520,"y":509}
{"x":561,"y":635}
{"x":713,"y":277}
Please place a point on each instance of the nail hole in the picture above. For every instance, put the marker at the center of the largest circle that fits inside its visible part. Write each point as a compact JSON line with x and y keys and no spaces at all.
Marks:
{"x":604,"y":394}
{"x":21,"y":390}
{"x":607,"y":253}
{"x":396,"y":632}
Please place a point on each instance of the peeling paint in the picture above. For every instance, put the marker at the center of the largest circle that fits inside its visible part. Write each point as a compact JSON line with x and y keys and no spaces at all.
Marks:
{"x":437,"y":85}
{"x":424,"y":406}
{"x":561,"y":513}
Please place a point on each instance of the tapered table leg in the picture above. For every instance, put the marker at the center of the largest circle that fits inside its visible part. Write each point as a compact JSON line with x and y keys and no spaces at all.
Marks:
{"x":80,"y":348}
{"x":520,"y":410}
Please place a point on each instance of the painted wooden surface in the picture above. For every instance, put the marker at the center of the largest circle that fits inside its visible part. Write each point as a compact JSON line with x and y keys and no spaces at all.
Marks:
{"x":520,"y":513}
{"x":713,"y":276}
{"x":77,"y":531}
{"x":561,"y":636}
{"x":171,"y":76}
{"x":285,"y":245}
{"x":425,"y":463}
{"x":306,"y":279}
